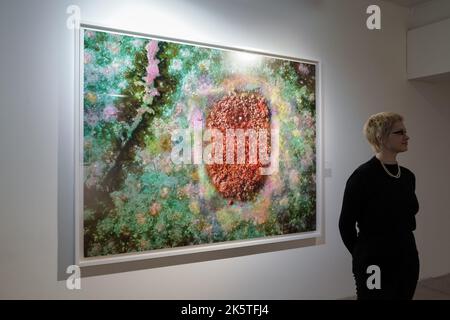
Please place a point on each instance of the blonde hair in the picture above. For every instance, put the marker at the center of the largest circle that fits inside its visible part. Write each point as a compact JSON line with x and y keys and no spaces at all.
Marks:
{"x":378,"y":127}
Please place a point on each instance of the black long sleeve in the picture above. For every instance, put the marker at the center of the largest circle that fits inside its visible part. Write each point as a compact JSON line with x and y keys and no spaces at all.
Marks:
{"x":351,"y":207}
{"x":383,"y":207}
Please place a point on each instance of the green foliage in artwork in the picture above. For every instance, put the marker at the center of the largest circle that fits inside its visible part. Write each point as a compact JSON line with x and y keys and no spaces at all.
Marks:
{"x":136,"y":199}
{"x":109,"y":92}
{"x":135,"y":91}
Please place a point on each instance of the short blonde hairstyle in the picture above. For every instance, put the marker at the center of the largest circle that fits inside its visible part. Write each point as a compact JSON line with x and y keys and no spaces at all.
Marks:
{"x":378,"y":127}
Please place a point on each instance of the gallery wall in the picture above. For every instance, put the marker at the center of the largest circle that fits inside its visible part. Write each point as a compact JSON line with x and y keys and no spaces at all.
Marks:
{"x":429,"y":27}
{"x":425,"y":63}
{"x":363,"y":72}
{"x":429,"y":12}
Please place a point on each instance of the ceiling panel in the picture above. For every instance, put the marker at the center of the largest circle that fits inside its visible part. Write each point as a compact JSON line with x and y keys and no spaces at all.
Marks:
{"x":408,"y":3}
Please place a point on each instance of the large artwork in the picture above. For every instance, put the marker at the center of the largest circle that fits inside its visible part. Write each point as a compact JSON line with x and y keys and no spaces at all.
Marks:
{"x":187,"y":145}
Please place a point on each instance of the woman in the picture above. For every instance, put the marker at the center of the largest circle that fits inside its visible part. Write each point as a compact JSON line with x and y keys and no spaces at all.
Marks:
{"x":380,"y":201}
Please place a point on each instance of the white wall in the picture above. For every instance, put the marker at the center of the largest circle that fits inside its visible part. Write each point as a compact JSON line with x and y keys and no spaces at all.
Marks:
{"x":431,"y":104}
{"x":424,"y":61}
{"x":364,"y":72}
{"x":430,"y":110}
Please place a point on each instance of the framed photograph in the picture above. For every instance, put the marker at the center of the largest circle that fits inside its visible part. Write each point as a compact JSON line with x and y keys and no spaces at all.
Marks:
{"x":186,"y":147}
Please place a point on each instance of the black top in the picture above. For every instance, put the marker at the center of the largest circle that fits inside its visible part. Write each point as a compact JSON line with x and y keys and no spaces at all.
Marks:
{"x":383,"y":207}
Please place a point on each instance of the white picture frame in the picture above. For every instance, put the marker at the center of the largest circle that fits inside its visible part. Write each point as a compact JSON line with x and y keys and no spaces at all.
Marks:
{"x":83,"y":261}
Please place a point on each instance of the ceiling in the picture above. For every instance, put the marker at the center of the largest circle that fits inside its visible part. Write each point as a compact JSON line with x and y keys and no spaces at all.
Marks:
{"x":408,"y":3}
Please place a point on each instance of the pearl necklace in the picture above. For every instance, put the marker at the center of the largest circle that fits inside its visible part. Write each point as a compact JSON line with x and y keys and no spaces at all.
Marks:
{"x":389,"y":173}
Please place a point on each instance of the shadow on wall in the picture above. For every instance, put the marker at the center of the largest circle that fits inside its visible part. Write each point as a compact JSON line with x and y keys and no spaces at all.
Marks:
{"x":112,"y":268}
{"x":436,"y":91}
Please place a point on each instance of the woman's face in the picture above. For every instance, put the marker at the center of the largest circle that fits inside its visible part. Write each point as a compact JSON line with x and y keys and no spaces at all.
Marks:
{"x":397,"y":141}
